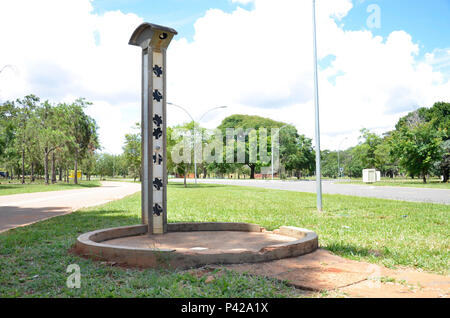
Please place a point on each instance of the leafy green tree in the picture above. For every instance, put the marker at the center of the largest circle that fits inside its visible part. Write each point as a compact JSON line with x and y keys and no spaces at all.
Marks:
{"x":176,"y":141}
{"x":352,"y":163}
{"x":83,"y":130}
{"x":132,"y":154}
{"x":51,"y":126}
{"x":9,"y":156}
{"x":442,"y":166}
{"x":297,"y":153}
{"x":329,"y":163}
{"x":368,"y":145}
{"x":24,"y":135}
{"x":417,"y":145}
{"x":247,"y":122}
{"x":384,"y":161}
{"x":88,"y":164}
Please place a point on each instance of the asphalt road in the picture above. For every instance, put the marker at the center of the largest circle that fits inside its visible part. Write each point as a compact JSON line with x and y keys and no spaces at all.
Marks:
{"x":441,"y":196}
{"x":23,"y":209}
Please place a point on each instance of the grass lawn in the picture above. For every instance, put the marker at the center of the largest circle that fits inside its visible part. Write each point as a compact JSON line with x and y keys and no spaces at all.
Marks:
{"x":38,"y":186}
{"x":397,"y":182}
{"x":33,"y":259}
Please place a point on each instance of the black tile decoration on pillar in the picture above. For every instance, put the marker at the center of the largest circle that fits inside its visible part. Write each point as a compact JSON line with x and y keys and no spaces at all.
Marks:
{"x":157,"y":120}
{"x":157,"y":184}
{"x":159,"y":158}
{"x":157,"y":95}
{"x":157,"y":70}
{"x":157,"y":133}
{"x":157,"y":209}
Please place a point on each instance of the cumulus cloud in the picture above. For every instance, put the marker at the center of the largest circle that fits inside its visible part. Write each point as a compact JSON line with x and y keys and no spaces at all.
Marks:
{"x":257,"y":61}
{"x":60,"y":50}
{"x":260,"y":62}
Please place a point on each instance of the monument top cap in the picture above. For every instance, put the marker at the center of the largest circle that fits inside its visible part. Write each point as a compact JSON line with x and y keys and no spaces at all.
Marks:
{"x":157,"y":36}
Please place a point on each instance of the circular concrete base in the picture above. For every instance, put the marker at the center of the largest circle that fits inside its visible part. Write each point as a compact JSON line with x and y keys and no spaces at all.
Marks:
{"x":187,"y":245}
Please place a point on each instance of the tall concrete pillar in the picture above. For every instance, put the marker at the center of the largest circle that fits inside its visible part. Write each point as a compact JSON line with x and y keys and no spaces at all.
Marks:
{"x":154,"y":40}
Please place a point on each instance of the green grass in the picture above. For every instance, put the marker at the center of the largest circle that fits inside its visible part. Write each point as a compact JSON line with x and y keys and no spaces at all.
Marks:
{"x":401,"y":182}
{"x":380,"y":231}
{"x":15,"y":187}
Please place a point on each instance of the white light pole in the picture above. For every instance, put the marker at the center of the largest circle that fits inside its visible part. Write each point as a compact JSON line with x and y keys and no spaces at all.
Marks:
{"x":271,"y":149}
{"x":339,"y":147}
{"x":316,"y":102}
{"x":194,"y":131}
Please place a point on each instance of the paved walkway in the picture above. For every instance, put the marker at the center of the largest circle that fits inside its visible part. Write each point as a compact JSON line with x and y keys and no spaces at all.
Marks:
{"x":322,"y":270}
{"x":441,"y":196}
{"x":23,"y":209}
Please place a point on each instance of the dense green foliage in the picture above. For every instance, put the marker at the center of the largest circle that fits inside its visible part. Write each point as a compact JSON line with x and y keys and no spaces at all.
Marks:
{"x":35,"y":134}
{"x":419,"y":147}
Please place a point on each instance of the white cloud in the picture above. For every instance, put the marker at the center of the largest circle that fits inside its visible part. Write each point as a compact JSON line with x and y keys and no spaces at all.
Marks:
{"x":256,"y":61}
{"x":52,"y":45}
{"x":260,"y":62}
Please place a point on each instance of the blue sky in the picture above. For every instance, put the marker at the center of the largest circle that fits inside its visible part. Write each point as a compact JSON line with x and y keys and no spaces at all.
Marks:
{"x":427,"y":21}
{"x":179,"y":14}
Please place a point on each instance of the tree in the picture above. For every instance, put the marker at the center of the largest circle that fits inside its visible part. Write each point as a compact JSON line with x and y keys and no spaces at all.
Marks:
{"x":417,"y":145}
{"x":352,"y":163}
{"x":296,"y":151}
{"x":88,"y":164}
{"x":8,"y":126}
{"x":329,"y":163}
{"x":132,"y":154}
{"x":51,"y":130}
{"x":439,"y":116}
{"x":367,"y":148}
{"x":246,"y":123}
{"x":384,"y":161}
{"x":443,"y":165}
{"x":24,"y":135}
{"x":83,"y":130}
{"x":179,"y":138}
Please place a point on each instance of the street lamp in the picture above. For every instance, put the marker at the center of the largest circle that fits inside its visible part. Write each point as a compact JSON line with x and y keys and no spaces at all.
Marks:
{"x":194,"y":131}
{"x":271,"y":150}
{"x":339,"y":147}
{"x":316,"y":102}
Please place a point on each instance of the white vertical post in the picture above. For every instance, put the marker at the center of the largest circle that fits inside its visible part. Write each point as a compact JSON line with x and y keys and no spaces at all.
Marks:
{"x":316,"y":102}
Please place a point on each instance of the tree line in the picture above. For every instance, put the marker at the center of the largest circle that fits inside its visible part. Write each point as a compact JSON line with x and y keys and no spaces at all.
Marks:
{"x":38,"y":138}
{"x":418,"y":147}
{"x":296,"y":151}
{"x":41,"y":139}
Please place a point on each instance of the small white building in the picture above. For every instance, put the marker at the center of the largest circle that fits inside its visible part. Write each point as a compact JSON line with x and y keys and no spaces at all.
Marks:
{"x":369,"y":176}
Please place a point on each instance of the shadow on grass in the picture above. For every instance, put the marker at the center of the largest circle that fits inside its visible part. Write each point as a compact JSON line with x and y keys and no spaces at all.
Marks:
{"x":62,"y":184}
{"x":352,"y":250}
{"x":6,"y":186}
{"x":56,"y":220}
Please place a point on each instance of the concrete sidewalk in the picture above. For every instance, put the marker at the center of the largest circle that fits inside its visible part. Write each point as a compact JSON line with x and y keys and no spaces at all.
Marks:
{"x":324,"y":271}
{"x":24,"y":209}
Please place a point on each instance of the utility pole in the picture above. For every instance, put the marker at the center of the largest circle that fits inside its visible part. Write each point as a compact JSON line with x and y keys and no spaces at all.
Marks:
{"x":316,"y":102}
